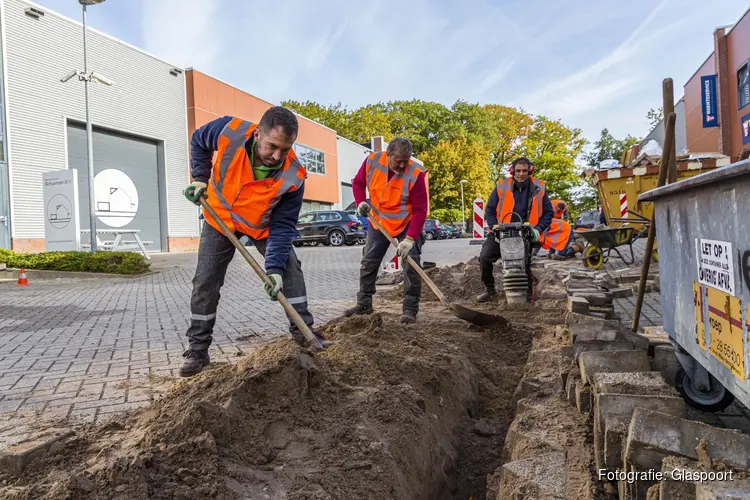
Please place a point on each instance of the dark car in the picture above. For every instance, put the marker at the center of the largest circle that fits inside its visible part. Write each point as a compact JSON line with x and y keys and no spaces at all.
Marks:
{"x":329,"y":227}
{"x":588,"y":219}
{"x":455,"y":231}
{"x":434,"y":230}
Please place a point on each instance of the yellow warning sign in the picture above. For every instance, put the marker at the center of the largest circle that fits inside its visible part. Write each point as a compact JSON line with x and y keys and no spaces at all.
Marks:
{"x":700,"y":322}
{"x":725,"y":327}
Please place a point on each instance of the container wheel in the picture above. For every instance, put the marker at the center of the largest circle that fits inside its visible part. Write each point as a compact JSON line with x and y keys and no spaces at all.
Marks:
{"x":715,"y":399}
{"x":593,"y":257}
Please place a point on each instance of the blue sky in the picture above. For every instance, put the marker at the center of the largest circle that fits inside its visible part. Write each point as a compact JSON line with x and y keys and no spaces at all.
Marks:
{"x":591,"y":63}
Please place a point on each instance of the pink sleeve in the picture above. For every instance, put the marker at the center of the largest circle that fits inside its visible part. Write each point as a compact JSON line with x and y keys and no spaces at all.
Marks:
{"x":418,"y":195}
{"x":359,"y":184}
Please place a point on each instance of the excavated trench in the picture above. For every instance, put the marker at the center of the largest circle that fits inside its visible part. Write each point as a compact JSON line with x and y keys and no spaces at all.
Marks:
{"x":391,"y":411}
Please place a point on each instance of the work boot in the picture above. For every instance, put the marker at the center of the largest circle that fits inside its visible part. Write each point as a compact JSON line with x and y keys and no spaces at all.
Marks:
{"x":408,"y":317}
{"x":195,"y":361}
{"x":302,"y":341}
{"x":488,"y":295}
{"x":357,"y":310}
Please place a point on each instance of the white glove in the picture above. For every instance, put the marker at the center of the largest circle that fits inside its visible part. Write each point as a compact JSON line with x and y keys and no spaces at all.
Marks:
{"x":277,"y":284}
{"x":404,"y":248}
{"x":363,"y":209}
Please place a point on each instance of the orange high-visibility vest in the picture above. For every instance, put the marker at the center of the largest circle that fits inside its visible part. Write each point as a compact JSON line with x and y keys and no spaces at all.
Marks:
{"x":506,"y":202}
{"x":390,"y":200}
{"x":559,"y":213}
{"x":556,"y":236}
{"x":241,"y":202}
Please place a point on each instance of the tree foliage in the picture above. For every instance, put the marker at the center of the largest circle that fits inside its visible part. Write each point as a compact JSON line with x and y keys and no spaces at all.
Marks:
{"x":466,"y":141}
{"x":446,"y":215}
{"x":607,"y":147}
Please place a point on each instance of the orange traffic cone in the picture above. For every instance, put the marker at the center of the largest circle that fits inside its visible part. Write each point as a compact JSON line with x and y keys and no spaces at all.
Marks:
{"x":22,"y":281}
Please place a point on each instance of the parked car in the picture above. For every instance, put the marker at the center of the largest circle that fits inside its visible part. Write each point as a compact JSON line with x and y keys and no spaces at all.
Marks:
{"x":588,"y":219}
{"x":329,"y":227}
{"x":434,"y":230}
{"x":455,"y":230}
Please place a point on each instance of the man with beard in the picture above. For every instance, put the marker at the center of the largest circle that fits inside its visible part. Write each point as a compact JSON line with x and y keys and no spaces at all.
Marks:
{"x":255,"y":186}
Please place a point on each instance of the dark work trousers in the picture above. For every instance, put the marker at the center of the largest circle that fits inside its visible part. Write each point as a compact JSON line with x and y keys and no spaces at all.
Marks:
{"x":376,"y":245}
{"x":489,"y":254}
{"x":214,"y":255}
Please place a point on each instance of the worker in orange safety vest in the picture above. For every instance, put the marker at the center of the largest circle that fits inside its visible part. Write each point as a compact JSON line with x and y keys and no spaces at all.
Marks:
{"x":255,"y":186}
{"x":561,"y":209}
{"x":558,"y":238}
{"x":398,"y":202}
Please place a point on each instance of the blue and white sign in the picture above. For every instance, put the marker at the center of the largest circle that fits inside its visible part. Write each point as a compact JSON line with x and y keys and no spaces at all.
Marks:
{"x":708,"y":101}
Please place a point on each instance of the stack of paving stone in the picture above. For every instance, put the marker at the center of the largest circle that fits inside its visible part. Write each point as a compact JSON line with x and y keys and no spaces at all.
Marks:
{"x":590,"y":293}
{"x":638,"y":418}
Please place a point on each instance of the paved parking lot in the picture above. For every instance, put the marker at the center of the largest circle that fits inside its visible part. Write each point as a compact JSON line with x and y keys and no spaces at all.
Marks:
{"x":89,"y":348}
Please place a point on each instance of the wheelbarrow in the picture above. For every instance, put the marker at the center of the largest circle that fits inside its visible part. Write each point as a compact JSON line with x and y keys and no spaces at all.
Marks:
{"x":601,"y":242}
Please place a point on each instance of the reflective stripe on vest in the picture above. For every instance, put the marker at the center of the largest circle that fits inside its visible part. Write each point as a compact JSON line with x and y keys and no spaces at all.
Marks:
{"x":392,"y":214}
{"x":252,"y":202}
{"x":556,"y":236}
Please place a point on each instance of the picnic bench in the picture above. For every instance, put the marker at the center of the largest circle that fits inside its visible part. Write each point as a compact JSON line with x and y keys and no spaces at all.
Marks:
{"x":118,"y":243}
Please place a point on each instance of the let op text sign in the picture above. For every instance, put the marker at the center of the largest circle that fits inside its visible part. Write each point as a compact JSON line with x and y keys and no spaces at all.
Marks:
{"x":62,"y":227}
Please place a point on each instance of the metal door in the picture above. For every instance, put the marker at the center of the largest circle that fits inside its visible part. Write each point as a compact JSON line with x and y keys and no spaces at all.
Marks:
{"x":128,"y":187}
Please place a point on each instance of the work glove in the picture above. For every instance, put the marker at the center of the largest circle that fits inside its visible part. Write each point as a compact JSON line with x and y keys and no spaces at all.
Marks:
{"x":534,"y":235}
{"x":277,"y":284}
{"x":194,"y":191}
{"x":404,"y":248}
{"x":363,"y":209}
{"x":495,"y":228}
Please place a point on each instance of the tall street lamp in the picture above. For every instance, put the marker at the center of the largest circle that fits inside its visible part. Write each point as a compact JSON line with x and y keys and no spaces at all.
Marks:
{"x":87,"y":77}
{"x":463,"y":210}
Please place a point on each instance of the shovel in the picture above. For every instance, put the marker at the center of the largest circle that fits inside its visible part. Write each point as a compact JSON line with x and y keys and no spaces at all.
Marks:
{"x":464,"y":313}
{"x":306,"y":332}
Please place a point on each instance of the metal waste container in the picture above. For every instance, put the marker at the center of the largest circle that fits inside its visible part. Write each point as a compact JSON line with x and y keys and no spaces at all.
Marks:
{"x":703,"y":228}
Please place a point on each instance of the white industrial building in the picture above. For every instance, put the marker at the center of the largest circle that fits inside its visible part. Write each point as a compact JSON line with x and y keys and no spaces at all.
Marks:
{"x":140,"y":130}
{"x":350,"y":158}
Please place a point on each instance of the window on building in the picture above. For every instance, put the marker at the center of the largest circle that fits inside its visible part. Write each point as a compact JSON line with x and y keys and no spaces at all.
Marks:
{"x":312,"y":159}
{"x":743,"y":85}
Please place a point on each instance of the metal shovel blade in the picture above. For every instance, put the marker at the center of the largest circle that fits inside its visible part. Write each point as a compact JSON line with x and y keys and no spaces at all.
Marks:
{"x":477,"y":317}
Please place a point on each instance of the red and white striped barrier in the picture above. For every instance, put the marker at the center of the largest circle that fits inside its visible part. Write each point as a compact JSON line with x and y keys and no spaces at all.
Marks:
{"x":623,"y":205}
{"x":479,"y":219}
{"x":391,"y":266}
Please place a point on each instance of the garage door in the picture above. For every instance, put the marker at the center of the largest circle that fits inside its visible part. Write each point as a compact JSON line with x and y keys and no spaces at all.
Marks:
{"x":126,"y":182}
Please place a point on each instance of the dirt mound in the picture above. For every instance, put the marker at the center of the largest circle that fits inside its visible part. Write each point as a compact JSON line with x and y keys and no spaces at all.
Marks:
{"x":458,"y":282}
{"x":388,"y":412}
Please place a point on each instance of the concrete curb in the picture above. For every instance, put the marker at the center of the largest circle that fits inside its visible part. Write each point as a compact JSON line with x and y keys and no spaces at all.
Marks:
{"x":11,"y":275}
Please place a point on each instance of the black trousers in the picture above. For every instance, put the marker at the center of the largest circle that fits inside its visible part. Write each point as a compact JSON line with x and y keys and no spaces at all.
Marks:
{"x":376,"y":246}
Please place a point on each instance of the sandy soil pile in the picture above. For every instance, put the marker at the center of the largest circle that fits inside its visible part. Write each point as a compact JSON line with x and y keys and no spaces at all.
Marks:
{"x":391,"y":411}
{"x":462,"y":281}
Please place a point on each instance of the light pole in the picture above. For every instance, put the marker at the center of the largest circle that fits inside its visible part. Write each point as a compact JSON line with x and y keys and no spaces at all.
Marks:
{"x":86,"y":77}
{"x":463,"y":210}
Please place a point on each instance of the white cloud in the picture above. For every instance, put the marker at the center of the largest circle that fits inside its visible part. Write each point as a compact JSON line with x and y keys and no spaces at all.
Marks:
{"x":565,"y":60}
{"x":185,"y":32}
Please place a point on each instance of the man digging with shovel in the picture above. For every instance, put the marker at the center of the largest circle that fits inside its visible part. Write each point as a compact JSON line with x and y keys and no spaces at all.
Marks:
{"x":255,"y":187}
{"x":399,"y":205}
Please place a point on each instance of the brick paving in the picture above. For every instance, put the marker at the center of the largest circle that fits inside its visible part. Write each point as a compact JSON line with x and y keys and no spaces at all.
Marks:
{"x":86,"y":349}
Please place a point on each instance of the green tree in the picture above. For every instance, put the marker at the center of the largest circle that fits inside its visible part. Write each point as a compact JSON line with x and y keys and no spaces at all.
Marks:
{"x":446,"y":215}
{"x":553,"y":148}
{"x":449,"y":162}
{"x":607,"y":147}
{"x":335,"y":116}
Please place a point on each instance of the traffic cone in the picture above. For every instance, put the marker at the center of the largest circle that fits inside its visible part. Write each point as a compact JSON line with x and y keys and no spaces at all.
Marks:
{"x":22,"y":281}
